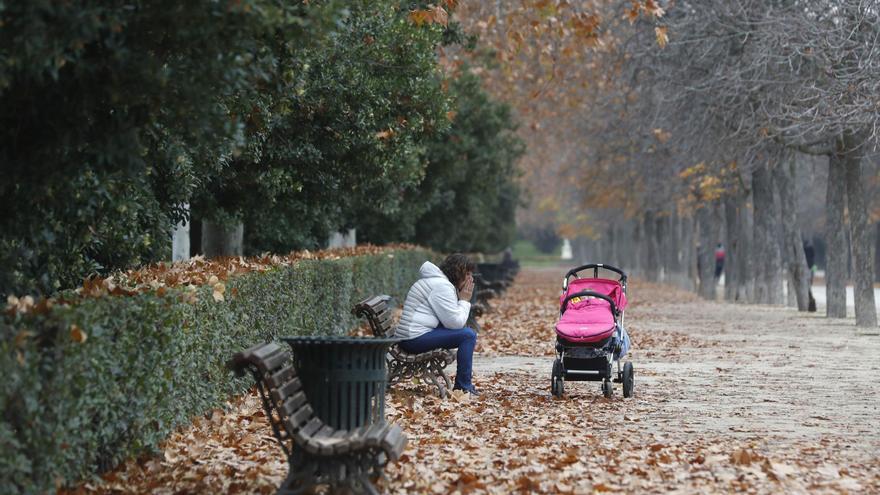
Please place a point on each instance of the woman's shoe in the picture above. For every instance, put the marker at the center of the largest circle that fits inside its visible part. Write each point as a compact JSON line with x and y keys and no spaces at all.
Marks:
{"x":472,"y":390}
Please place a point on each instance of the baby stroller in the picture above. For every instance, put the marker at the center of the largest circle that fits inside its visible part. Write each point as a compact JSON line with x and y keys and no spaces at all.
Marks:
{"x":590,"y":338}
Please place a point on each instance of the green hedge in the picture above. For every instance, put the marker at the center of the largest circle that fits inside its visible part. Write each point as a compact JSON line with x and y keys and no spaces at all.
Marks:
{"x":150,"y":363}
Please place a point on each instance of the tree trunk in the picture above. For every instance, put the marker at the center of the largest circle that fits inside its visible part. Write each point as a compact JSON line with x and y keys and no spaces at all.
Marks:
{"x":704,"y":253}
{"x":691,"y":260}
{"x":745,"y":265}
{"x":835,"y":239}
{"x":651,"y":252}
{"x":222,"y":239}
{"x":733,"y":241}
{"x":857,"y":207}
{"x":794,"y":259}
{"x":666,"y":242}
{"x":768,"y":284}
{"x":877,"y":253}
{"x":638,"y":248}
{"x":180,"y":239}
{"x":611,"y":243}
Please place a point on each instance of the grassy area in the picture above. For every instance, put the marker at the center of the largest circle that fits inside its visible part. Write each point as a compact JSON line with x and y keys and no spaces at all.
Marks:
{"x":528,"y":255}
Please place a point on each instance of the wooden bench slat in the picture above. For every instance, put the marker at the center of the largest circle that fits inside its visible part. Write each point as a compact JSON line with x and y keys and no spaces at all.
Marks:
{"x":266,"y":350}
{"x":281,"y":376}
{"x":373,"y":437}
{"x":306,"y":438}
{"x":311,"y":427}
{"x":325,"y":431}
{"x":358,"y":438}
{"x":292,"y":404}
{"x":345,"y":441}
{"x":377,"y":300}
{"x":297,"y":419}
{"x":329,"y":441}
{"x":325,"y":440}
{"x":286,"y":390}
{"x":273,"y":361}
{"x":394,"y":441}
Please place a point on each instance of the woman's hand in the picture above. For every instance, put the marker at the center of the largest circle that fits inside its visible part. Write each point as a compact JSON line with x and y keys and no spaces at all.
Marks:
{"x":467,"y":288}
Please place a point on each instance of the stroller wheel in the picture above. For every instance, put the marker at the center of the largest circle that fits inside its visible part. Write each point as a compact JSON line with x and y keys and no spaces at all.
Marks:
{"x":557,"y":381}
{"x":628,"y":378}
{"x":607,"y":388}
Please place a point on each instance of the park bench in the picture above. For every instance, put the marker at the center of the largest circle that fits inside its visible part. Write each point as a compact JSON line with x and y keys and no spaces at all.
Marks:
{"x":429,"y":366}
{"x":490,"y":281}
{"x":483,"y":292}
{"x":498,"y":274}
{"x":317,"y":453}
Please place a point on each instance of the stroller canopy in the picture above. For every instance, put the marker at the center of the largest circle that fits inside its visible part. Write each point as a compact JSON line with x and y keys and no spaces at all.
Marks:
{"x":590,"y":319}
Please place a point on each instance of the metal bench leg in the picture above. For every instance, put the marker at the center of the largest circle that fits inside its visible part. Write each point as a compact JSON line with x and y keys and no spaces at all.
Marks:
{"x":431,"y":374}
{"x":303,"y":476}
{"x":299,"y":481}
{"x":396,"y":371}
{"x":442,"y":372}
{"x":366,"y":486}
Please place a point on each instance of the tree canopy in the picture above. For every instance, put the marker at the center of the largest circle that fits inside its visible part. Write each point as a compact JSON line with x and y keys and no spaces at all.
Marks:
{"x":295,"y":118}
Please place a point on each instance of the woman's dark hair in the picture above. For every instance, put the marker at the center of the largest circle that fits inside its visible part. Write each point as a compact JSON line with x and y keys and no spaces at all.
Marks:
{"x":456,"y":266}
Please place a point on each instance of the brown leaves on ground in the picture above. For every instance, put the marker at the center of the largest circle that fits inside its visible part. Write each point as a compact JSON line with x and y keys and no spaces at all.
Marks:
{"x":222,"y":452}
{"x":702,"y":420}
{"x":514,"y":438}
{"x":522,"y":319}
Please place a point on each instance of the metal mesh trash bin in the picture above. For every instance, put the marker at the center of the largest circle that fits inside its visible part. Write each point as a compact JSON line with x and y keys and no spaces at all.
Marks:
{"x":344,"y":378}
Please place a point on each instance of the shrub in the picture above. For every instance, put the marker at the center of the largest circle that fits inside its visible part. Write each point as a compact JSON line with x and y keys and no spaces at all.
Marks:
{"x":90,"y":383}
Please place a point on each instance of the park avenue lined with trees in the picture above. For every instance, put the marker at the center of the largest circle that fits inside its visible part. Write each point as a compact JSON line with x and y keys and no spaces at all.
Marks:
{"x":183,"y":181}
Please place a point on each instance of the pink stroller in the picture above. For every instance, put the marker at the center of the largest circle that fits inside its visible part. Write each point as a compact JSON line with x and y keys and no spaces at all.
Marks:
{"x":590,"y":338}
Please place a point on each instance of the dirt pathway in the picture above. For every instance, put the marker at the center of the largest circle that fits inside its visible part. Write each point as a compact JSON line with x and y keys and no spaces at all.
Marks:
{"x":728,"y":398}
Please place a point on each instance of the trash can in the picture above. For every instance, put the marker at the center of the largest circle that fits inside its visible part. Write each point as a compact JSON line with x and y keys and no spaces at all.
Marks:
{"x":344,"y":378}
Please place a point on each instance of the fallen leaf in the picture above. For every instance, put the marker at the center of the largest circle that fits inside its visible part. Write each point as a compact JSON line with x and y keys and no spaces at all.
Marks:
{"x":77,"y":334}
{"x":662,"y":36}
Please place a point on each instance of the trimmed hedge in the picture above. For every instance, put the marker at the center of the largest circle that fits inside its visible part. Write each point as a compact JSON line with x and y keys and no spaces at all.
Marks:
{"x":150,"y":363}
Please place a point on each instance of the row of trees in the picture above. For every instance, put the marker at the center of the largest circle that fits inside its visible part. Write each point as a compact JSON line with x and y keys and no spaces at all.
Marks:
{"x":676,"y":125}
{"x":747,"y":90}
{"x":291,"y":119}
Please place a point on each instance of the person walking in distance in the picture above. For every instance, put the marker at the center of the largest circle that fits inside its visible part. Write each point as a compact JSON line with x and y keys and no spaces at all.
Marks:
{"x":719,"y":261}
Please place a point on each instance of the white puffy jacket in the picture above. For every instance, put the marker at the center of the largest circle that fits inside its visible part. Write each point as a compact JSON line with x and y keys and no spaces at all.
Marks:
{"x":431,"y":302}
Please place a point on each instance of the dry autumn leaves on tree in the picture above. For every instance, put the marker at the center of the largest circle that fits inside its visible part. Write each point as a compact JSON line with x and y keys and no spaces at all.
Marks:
{"x":445,"y":246}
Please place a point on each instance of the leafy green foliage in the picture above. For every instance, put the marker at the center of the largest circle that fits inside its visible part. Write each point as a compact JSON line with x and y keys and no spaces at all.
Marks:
{"x":468,"y":198}
{"x":543,"y":237}
{"x":343,"y":130}
{"x":111,"y":113}
{"x":89,"y":384}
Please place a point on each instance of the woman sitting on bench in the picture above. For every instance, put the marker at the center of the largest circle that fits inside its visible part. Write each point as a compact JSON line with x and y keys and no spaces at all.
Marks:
{"x":435,"y":313}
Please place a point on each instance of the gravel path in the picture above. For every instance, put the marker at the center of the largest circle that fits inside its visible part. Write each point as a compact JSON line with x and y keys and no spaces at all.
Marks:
{"x":749,"y":370}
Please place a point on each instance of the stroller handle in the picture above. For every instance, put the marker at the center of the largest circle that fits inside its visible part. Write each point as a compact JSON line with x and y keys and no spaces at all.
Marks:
{"x":596,"y":267}
{"x":589,"y":293}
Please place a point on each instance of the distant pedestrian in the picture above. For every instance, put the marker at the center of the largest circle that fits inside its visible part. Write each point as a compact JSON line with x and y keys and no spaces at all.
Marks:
{"x":810,"y":255}
{"x":719,"y":261}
